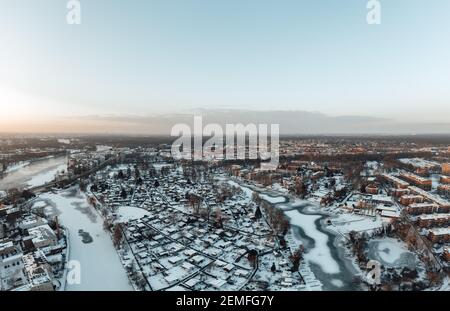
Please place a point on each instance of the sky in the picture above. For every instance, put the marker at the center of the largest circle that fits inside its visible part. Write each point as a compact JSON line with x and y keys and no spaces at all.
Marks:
{"x":150,"y":57}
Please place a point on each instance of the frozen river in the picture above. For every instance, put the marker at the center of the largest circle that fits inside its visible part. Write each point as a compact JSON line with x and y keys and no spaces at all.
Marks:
{"x":34,"y":174}
{"x":89,"y":244}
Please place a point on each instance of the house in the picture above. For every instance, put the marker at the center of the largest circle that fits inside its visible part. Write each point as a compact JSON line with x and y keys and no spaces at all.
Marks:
{"x":11,"y":266}
{"x":189,"y":252}
{"x":444,"y":205}
{"x":399,"y":192}
{"x":188,"y":266}
{"x":241,"y":272}
{"x":192,"y":282}
{"x":2,"y":229}
{"x":421,"y":182}
{"x":229,"y":267}
{"x":444,"y":190}
{"x":287,"y":282}
{"x":13,"y":213}
{"x":395,"y":181}
{"x":411,"y":198}
{"x":171,"y":279}
{"x":446,"y":253}
{"x":216,"y":283}
{"x":43,"y":236}
{"x":197,"y":259}
{"x":421,"y":208}
{"x":445,"y":179}
{"x":445,"y":168}
{"x":175,"y":260}
{"x":439,"y":235}
{"x":38,"y":272}
{"x":372,"y":189}
{"x":31,"y":221}
{"x":390,"y":214}
{"x":381,"y":199}
{"x":432,"y":220}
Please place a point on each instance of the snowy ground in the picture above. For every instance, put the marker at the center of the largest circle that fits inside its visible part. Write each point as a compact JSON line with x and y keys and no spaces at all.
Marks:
{"x":127,"y":213}
{"x":101,"y":268}
{"x":346,"y":222}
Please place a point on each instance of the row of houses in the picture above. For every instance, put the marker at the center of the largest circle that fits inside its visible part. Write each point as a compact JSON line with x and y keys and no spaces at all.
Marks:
{"x":429,"y":211}
{"x":416,"y":180}
{"x":30,"y":252}
{"x":433,"y":220}
{"x":439,"y":235}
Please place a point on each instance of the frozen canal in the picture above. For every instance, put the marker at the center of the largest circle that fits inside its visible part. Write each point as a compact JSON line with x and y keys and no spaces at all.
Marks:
{"x":89,"y":244}
{"x":34,"y":174}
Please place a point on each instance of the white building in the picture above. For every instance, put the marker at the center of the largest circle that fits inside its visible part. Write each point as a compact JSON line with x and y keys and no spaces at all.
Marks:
{"x":11,"y":266}
{"x":43,"y":236}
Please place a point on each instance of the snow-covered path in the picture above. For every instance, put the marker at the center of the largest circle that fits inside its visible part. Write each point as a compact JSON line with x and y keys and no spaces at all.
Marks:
{"x":101,"y":268}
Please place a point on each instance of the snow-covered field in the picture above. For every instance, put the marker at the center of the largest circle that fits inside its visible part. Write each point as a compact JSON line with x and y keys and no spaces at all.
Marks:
{"x":101,"y":268}
{"x":346,"y":222}
{"x":127,"y":213}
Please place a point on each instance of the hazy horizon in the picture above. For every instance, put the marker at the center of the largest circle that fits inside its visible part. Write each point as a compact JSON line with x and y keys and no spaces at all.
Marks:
{"x":290,"y":122}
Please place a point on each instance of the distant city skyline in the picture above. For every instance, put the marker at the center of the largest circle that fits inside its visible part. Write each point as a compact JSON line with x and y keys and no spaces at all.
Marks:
{"x":151,"y":61}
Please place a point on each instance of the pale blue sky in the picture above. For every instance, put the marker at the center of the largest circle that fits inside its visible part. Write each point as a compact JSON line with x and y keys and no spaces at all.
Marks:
{"x":148,"y":56}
